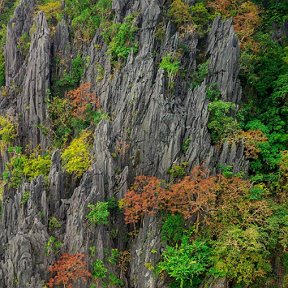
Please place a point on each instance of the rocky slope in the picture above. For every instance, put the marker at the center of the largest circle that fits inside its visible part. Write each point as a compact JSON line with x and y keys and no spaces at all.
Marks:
{"x":146,"y":115}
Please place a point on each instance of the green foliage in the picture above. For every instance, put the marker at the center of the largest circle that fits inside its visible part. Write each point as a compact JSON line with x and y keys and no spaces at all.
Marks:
{"x":186,"y":144}
{"x":115,"y":281}
{"x":72,"y":79}
{"x":265,"y":76}
{"x":37,"y":165}
{"x":25,"y":198}
{"x":54,"y":223}
{"x":171,"y":65}
{"x":60,"y":111}
{"x":200,"y":18}
{"x":8,"y":132}
{"x":87,"y":17}
{"x":23,"y":44}
{"x":114,"y":257}
{"x":120,"y":38}
{"x":199,"y":75}
{"x":178,"y":171}
{"x":212,"y":92}
{"x":52,"y":246}
{"x":179,"y":12}
{"x":22,"y":167}
{"x":76,"y":157}
{"x":52,"y":9}
{"x":99,"y":271}
{"x":172,"y":228}
{"x":186,"y":263}
{"x":221,"y":125}
{"x":241,"y":255}
{"x":99,"y":213}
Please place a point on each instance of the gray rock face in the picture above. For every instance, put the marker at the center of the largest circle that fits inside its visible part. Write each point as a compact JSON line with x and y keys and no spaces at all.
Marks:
{"x":149,"y":122}
{"x":32,"y":101}
{"x":19,"y":25}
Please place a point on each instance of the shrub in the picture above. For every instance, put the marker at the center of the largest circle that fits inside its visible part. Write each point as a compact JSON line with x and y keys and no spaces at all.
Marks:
{"x":87,"y":17}
{"x":172,"y":228}
{"x":8,"y":132}
{"x":68,"y":270}
{"x":178,"y":171}
{"x":170,"y":64}
{"x":72,"y":79}
{"x":121,"y":38}
{"x":200,"y":17}
{"x":37,"y":165}
{"x":246,"y":18}
{"x":187,"y":262}
{"x":22,"y":167}
{"x":25,"y":198}
{"x":241,"y":255}
{"x":54,"y":223}
{"x":252,"y":140}
{"x":52,"y":246}
{"x":52,"y":9}
{"x":199,"y":75}
{"x":60,"y":111}
{"x":99,"y":271}
{"x":221,"y":125}
{"x":99,"y":213}
{"x":179,"y":12}
{"x":76,"y":157}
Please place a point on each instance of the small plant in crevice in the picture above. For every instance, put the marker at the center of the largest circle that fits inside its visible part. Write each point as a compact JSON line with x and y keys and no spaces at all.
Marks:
{"x":186,"y":144}
{"x":23,"y":44}
{"x":200,"y":74}
{"x":99,"y":213}
{"x":54,"y":223}
{"x":178,"y":171}
{"x":52,"y":246}
{"x":171,"y":65}
{"x":25,"y":198}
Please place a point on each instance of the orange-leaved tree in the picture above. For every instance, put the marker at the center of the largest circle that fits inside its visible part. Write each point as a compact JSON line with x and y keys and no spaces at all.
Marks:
{"x":246,"y":18}
{"x":67,"y":270}
{"x":81,"y":99}
{"x":193,"y":195}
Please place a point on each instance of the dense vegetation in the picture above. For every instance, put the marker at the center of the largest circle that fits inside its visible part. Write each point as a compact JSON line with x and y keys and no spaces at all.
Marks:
{"x":225,"y":225}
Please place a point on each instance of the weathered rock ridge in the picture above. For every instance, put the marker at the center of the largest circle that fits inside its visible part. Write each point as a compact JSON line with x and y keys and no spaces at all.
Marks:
{"x":145,"y":114}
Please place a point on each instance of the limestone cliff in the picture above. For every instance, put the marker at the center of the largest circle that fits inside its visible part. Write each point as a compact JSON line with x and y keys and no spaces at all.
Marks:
{"x":144,"y":113}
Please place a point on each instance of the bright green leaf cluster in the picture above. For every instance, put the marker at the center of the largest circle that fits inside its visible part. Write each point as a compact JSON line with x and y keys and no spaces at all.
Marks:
{"x":99,"y":213}
{"x":121,"y":38}
{"x":8,"y":132}
{"x":76,"y":157}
